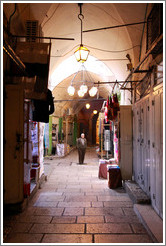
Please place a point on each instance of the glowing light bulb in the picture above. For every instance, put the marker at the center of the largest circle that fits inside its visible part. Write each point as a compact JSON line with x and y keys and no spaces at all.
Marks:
{"x":93,"y":91}
{"x":80,"y":93}
{"x":71,"y":90}
{"x":84,"y":88}
{"x":87,"y":105}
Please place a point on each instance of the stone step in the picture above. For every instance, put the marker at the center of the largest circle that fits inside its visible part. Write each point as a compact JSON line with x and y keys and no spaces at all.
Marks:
{"x":136,"y":194}
{"x":151,"y":221}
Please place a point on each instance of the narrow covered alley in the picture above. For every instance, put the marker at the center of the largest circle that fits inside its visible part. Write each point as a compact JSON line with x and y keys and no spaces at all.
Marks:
{"x":75,"y":206}
{"x":83,"y":79}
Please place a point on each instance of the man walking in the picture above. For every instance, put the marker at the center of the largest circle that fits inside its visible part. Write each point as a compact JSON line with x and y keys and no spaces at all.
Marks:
{"x":81,"y":146}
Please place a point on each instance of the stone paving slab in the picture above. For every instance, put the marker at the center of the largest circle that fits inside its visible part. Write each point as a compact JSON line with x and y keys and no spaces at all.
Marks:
{"x":57,"y":186}
{"x":129,"y":211}
{"x":73,"y":194}
{"x":35,"y":219}
{"x":124,"y":204}
{"x":92,"y":190}
{"x":64,"y":238}
{"x":48,"y":194}
{"x":103,"y":211}
{"x":69,"y":190}
{"x":97,"y":204}
{"x":87,"y":186}
{"x":49,"y":211}
{"x":50,"y":204}
{"x":114,"y":198}
{"x":22,"y":227}
{"x":74,"y":204}
{"x":108,"y":228}
{"x":51,"y":198}
{"x":73,"y":211}
{"x":141,"y":238}
{"x":24,"y":238}
{"x":64,"y":219}
{"x":96,"y":193}
{"x":90,"y":219}
{"x":121,"y":219}
{"x":58,"y":228}
{"x":80,"y":198}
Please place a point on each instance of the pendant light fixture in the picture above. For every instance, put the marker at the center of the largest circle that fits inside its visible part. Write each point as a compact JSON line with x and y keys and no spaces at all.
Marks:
{"x":88,"y":106}
{"x":71,"y":90}
{"x":84,"y":88}
{"x":81,"y":52}
{"x":93,"y":91}
{"x":87,"y":84}
{"x":95,"y":111}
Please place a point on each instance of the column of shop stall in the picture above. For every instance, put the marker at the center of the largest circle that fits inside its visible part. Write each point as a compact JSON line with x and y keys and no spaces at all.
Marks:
{"x":33,"y":149}
{"x":27,"y":149}
{"x":35,"y":153}
{"x":108,"y":128}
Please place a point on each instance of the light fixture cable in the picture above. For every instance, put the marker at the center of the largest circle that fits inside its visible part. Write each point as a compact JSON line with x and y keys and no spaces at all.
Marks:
{"x":81,"y":17}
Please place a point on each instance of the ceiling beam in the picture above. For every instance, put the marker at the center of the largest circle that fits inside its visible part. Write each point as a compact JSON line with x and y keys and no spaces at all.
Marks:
{"x":111,"y":27}
{"x":50,"y":38}
{"x":79,"y":100}
{"x":113,"y":82}
{"x":142,"y":71}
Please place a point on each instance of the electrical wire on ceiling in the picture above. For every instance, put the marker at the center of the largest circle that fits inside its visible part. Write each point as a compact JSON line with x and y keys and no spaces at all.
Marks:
{"x":50,"y":16}
{"x":111,"y":51}
{"x":105,"y":12}
{"x":112,"y":16}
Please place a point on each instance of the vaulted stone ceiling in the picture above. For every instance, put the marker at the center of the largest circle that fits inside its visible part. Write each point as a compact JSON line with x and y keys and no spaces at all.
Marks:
{"x":109,"y":46}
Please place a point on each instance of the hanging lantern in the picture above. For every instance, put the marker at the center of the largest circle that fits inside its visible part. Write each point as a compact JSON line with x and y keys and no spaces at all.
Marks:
{"x":71,"y":90}
{"x":80,"y":93}
{"x":81,"y":54}
{"x":93,"y":91}
{"x":95,"y":111}
{"x":87,"y":105}
{"x":84,"y":88}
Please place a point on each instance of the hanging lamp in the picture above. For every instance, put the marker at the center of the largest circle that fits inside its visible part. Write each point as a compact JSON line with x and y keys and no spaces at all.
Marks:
{"x":81,"y":52}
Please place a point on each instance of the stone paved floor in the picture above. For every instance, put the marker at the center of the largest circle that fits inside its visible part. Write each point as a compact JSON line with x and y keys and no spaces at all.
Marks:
{"x":75,"y":206}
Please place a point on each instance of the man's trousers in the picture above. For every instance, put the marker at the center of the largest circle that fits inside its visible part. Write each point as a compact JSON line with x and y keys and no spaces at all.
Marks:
{"x":81,"y":154}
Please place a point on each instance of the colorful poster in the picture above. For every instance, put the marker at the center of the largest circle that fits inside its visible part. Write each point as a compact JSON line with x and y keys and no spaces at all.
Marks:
{"x":46,"y":135}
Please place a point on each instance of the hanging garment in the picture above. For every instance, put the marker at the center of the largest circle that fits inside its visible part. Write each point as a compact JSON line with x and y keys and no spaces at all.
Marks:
{"x":116,"y":107}
{"x":110,"y":109}
{"x":42,"y":109}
